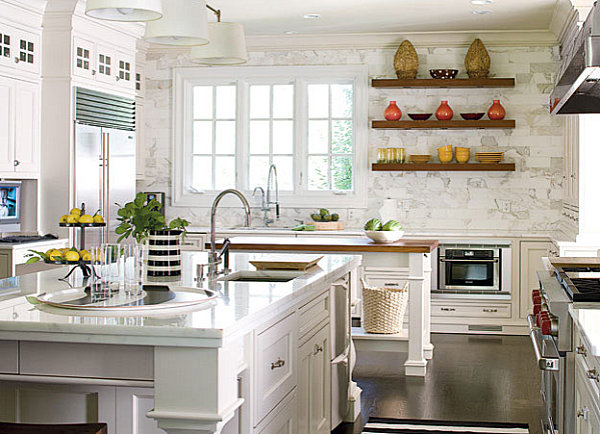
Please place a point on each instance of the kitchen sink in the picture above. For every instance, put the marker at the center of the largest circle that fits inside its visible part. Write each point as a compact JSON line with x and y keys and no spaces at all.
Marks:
{"x":262,"y":276}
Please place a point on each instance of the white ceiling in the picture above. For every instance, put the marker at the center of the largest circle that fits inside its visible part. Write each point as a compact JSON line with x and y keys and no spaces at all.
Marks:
{"x":274,"y":17}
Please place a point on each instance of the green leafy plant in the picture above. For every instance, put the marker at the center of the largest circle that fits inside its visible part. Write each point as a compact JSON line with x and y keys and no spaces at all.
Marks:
{"x":141,"y":216}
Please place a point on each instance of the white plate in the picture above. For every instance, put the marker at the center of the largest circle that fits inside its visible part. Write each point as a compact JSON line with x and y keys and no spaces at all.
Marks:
{"x":67,"y":299}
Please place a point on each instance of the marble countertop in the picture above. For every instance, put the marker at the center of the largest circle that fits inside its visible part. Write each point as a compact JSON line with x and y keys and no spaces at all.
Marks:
{"x":47,"y":243}
{"x":587,"y":321}
{"x":358,"y":232}
{"x":239,"y":306}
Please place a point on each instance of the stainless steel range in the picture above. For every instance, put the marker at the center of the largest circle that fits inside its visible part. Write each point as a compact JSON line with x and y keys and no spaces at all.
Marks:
{"x":551,"y":332}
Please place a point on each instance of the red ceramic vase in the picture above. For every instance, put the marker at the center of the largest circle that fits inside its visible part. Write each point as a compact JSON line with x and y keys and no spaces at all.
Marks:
{"x":444,"y":112}
{"x":392,"y":112}
{"x":496,"y":111}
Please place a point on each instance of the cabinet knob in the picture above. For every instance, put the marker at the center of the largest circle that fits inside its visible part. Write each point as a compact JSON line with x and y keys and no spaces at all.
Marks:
{"x":17,"y":60}
{"x":278,"y":364}
{"x":15,"y":315}
{"x":592,"y":374}
{"x":16,"y":163}
{"x":118,"y":78}
{"x":583,"y":412}
{"x":318,"y":349}
{"x":93,"y":72}
{"x":490,"y":310}
{"x":581,"y":350}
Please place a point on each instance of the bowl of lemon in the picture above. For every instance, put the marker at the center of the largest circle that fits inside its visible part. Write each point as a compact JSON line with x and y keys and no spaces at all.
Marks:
{"x":76,"y":218}
{"x":61,"y":256}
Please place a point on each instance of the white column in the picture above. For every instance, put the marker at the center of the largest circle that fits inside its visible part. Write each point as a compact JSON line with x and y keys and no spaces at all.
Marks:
{"x":427,"y":345}
{"x":416,"y":364}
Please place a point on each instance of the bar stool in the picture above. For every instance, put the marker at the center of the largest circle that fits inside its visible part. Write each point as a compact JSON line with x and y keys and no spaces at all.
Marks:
{"x":78,"y":428}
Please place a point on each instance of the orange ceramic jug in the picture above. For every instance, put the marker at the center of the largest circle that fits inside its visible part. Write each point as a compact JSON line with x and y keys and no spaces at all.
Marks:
{"x":392,"y":112}
{"x":444,"y":112}
{"x":496,"y":111}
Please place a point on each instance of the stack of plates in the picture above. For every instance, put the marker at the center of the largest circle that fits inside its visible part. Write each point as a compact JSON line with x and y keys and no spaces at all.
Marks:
{"x":420,"y":158}
{"x":489,"y":157}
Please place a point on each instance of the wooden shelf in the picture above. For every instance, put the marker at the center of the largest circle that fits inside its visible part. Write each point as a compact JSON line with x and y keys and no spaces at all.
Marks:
{"x":451,"y":83}
{"x":439,"y":167}
{"x":442,"y":125}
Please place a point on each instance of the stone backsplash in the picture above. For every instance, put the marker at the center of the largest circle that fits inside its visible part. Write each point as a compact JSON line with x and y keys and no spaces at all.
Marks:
{"x":526,"y":200}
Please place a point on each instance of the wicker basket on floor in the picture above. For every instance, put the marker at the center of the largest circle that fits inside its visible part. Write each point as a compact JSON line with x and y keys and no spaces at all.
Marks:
{"x":384,"y":308}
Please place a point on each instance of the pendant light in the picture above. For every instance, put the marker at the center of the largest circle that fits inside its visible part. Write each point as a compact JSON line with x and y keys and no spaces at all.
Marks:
{"x":184,"y":22}
{"x":124,"y":10}
{"x":227,"y":44}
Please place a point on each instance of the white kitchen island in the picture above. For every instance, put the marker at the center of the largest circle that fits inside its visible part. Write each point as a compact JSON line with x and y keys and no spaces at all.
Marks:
{"x":255,"y":360}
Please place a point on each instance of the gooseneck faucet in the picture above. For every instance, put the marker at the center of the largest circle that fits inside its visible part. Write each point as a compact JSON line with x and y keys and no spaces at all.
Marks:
{"x":214,"y":255}
{"x":270,"y":178}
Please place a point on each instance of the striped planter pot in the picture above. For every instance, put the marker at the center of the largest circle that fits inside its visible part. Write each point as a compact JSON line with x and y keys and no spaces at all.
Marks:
{"x":164,"y":253}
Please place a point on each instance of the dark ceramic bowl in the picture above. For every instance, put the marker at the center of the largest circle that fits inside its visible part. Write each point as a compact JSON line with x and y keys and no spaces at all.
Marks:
{"x":419,"y":116}
{"x":443,"y":74}
{"x":471,"y":116}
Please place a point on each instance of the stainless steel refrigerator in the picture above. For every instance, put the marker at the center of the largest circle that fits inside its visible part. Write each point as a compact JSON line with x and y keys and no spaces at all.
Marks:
{"x":104,"y":158}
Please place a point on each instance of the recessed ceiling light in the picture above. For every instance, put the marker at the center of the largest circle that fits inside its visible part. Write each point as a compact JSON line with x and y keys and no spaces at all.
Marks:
{"x":482,"y":12}
{"x":290,"y":32}
{"x":312,"y":16}
{"x":481,"y":2}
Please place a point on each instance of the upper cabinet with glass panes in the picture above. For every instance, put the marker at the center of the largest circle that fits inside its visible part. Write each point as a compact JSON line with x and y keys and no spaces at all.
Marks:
{"x":19,"y":50}
{"x":103,"y":63}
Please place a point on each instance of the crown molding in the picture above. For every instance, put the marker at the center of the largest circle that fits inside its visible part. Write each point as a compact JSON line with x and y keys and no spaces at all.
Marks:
{"x":564,"y":18}
{"x":392,"y":40}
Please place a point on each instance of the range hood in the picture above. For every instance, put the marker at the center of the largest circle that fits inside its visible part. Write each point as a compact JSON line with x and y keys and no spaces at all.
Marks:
{"x":578,"y":88}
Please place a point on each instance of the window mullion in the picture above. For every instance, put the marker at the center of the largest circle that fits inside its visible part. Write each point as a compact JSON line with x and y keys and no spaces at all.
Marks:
{"x":214,"y":140}
{"x":242,"y":160}
{"x":301,"y":136}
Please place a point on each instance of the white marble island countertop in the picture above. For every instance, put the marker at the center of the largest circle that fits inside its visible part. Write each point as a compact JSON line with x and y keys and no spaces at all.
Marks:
{"x":587,"y":321}
{"x":239,"y":306}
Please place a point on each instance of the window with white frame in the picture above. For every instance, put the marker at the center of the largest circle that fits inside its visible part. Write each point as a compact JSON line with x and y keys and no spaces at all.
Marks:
{"x":231,"y":124}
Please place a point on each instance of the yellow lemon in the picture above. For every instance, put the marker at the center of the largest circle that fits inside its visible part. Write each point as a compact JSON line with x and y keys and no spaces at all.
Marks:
{"x":73,"y":218}
{"x":75,"y":211}
{"x":86,"y":218}
{"x":86,"y":257}
{"x":98,"y":219}
{"x":63,"y":219}
{"x":56,"y":255}
{"x":72,"y":256}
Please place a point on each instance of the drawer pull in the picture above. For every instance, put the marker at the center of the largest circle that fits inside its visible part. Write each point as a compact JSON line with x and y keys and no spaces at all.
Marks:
{"x":318,"y":349}
{"x":448,"y":309}
{"x":592,"y":374}
{"x":490,"y":310}
{"x":583,"y":413}
{"x":581,"y":350}
{"x":390,"y":284}
{"x":278,"y":364}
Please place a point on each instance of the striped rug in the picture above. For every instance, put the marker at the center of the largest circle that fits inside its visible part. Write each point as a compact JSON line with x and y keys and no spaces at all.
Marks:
{"x":419,"y":426}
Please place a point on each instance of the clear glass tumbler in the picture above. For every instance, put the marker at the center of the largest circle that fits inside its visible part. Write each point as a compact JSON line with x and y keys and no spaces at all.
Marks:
{"x":133,"y":257}
{"x":110,"y":277}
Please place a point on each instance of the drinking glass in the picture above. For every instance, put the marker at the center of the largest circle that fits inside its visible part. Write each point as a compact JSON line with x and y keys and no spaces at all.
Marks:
{"x":133,"y":267}
{"x":391,"y":155}
{"x":109,"y":277}
{"x":400,"y":155}
{"x":381,"y":156}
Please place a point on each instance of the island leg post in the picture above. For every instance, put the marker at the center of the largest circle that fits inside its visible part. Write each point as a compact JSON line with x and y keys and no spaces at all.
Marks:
{"x":416,"y":364}
{"x":427,"y":345}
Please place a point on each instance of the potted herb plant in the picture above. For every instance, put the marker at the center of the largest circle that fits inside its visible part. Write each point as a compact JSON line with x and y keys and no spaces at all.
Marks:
{"x":142,"y":219}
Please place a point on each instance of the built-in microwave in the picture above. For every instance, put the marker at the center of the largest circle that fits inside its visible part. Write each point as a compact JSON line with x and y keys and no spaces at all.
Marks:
{"x":471,"y":270}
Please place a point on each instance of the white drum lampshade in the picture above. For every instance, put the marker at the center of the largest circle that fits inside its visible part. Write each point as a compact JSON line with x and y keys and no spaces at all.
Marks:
{"x":124,"y":10}
{"x":227,"y":45}
{"x":184,"y":22}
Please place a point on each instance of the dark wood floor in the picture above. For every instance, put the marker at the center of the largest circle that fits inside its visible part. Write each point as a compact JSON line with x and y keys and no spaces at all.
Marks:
{"x":471,"y":378}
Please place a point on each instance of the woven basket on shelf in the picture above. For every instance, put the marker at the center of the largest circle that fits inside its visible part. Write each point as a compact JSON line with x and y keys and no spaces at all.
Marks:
{"x":384,"y":308}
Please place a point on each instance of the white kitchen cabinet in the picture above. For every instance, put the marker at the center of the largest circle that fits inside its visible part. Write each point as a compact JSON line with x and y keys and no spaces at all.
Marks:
{"x":283,"y":420}
{"x":531,"y":254}
{"x":57,"y":403}
{"x":571,"y":160}
{"x":587,"y":404}
{"x":102,"y":63}
{"x":20,"y":125}
{"x":132,"y":406}
{"x":19,"y":50}
{"x":314,"y":384}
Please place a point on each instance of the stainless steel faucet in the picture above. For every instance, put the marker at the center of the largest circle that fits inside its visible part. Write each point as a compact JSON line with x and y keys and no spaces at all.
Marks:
{"x":214,"y":255}
{"x":266,"y":202}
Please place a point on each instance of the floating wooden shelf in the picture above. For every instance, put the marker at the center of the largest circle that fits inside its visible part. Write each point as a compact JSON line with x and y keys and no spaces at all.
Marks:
{"x":433,"y":83}
{"x":439,"y":167}
{"x":442,"y":125}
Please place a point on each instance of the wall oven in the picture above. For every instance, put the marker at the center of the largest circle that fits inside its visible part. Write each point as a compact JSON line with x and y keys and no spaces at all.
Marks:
{"x":472,"y":269}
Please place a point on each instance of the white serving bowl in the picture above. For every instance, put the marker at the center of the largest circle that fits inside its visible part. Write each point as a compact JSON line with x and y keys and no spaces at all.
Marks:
{"x":384,"y":237}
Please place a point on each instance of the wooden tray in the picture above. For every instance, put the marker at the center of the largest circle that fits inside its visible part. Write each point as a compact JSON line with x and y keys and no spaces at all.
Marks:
{"x":328,"y":226}
{"x":286,"y":264}
{"x":566,"y":261}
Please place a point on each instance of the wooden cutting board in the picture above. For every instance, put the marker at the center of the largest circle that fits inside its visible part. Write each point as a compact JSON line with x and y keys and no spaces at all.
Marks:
{"x":566,"y":261}
{"x":286,"y":264}
{"x":328,"y":226}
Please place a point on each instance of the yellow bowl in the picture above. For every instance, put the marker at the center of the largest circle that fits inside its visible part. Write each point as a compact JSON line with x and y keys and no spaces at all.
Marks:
{"x":462,"y":157}
{"x":459,"y":149}
{"x":445,"y":157}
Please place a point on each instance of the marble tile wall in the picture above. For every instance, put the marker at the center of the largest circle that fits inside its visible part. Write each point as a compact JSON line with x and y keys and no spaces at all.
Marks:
{"x":527,"y":200}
